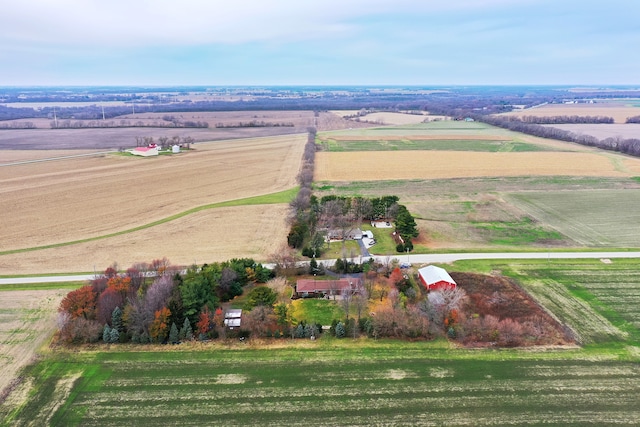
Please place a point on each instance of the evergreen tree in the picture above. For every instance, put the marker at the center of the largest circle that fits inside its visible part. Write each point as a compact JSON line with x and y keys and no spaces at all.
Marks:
{"x":299,"y":333}
{"x":116,"y":319}
{"x":114,"y":336}
{"x":340,"y":330}
{"x":173,"y":334}
{"x":106,"y":333}
{"x":186,"y":332}
{"x":144,"y":338}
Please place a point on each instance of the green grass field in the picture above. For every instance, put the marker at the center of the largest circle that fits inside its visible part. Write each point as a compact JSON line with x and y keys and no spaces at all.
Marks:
{"x":331,"y":383}
{"x":589,"y":217}
{"x":429,"y":145}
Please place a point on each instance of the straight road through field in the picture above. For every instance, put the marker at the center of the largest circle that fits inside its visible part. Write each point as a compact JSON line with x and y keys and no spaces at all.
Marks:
{"x":413,"y":259}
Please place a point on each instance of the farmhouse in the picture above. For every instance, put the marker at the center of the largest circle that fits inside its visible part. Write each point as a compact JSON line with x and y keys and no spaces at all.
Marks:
{"x":434,"y":278}
{"x":338,"y":234}
{"x":312,"y":287}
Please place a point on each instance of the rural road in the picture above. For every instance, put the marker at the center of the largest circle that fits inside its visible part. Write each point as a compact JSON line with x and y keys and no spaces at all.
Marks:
{"x":414,"y":259}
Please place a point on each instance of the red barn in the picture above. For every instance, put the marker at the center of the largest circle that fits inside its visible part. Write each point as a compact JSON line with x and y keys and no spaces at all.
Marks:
{"x":434,"y":278}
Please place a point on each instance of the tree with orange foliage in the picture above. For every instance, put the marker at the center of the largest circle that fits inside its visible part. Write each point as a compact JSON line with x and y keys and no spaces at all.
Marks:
{"x":119,"y":284}
{"x":160,"y":325}
{"x":80,"y":303}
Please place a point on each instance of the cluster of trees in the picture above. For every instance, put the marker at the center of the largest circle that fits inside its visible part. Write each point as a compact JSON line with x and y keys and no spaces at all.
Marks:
{"x":254,"y":124}
{"x":556,"y":120}
{"x":633,"y":119}
{"x":627,"y":146}
{"x":338,"y":216}
{"x":144,"y":303}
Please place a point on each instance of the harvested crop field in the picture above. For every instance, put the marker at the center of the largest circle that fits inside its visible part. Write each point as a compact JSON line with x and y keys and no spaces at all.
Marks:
{"x":603,"y":131}
{"x":27,"y":320}
{"x":67,"y":200}
{"x":62,"y":201}
{"x":391,"y":165}
{"x":13,"y":156}
{"x":618,"y":110}
{"x":213,"y":235}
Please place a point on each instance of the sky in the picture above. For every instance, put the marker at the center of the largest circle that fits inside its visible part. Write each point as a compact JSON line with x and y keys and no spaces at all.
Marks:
{"x":328,"y":42}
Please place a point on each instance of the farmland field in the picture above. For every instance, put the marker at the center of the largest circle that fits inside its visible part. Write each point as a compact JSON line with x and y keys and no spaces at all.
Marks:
{"x":331,"y":383}
{"x":469,"y":213}
{"x":68,"y":200}
{"x":590,"y":218}
{"x":598,"y":299}
{"x":394,"y":165}
{"x":603,"y":131}
{"x":618,"y":110}
{"x":27,"y":321}
{"x":45,"y":138}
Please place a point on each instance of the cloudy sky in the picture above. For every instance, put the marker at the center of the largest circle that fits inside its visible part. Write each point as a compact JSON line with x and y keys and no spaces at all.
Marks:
{"x":328,"y":42}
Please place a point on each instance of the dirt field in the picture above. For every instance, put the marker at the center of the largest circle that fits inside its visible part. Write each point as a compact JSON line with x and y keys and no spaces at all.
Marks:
{"x":67,"y":200}
{"x":27,"y":319}
{"x":603,"y":131}
{"x":12,"y":156}
{"x":418,"y":137}
{"x":207,"y":236}
{"x":618,"y":110}
{"x":375,"y":165}
{"x":394,"y":118}
{"x":45,"y":138}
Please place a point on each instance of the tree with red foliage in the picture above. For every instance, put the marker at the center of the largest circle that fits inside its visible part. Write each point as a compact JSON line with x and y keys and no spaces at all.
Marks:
{"x":160,"y":325}
{"x":205,"y":319}
{"x":80,"y":303}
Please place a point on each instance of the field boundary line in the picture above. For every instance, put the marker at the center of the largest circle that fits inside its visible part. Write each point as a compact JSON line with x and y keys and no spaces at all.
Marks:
{"x":266,"y":199}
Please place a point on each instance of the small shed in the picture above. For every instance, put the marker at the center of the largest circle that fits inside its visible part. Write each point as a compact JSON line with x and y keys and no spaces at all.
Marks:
{"x":232,"y":318}
{"x":175,"y":149}
{"x":435,"y":278}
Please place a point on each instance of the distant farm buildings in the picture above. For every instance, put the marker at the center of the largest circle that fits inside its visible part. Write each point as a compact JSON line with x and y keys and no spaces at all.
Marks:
{"x":434,"y":278}
{"x":150,"y":150}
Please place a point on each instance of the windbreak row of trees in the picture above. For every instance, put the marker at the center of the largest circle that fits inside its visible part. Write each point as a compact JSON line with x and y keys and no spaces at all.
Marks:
{"x":556,"y":120}
{"x":628,"y":146}
{"x":144,"y":303}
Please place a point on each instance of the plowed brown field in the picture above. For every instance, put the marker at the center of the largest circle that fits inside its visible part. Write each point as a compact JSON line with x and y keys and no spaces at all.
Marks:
{"x":67,"y":200}
{"x":376,"y":165}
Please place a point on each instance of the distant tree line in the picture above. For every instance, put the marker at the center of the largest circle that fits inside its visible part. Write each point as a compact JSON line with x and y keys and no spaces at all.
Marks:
{"x":84,"y":124}
{"x":254,"y":124}
{"x":555,"y":120}
{"x":18,"y":125}
{"x":627,"y":146}
{"x":634,"y":119}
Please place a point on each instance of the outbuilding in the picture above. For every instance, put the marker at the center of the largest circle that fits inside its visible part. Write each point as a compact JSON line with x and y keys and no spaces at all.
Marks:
{"x":434,"y":278}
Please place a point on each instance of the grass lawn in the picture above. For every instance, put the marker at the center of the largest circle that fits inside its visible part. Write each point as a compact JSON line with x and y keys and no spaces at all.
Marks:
{"x":320,"y":311}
